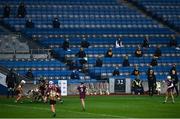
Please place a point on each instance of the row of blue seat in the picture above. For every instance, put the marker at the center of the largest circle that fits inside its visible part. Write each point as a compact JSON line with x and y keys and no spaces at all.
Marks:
{"x":154,"y":7}
{"x":125,"y":50}
{"x":117,"y":31}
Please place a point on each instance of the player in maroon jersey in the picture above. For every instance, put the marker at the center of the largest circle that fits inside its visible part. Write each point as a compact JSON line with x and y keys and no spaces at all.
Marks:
{"x":170,"y":86}
{"x":52,"y":93}
{"x":82,"y":93}
{"x":19,"y":91}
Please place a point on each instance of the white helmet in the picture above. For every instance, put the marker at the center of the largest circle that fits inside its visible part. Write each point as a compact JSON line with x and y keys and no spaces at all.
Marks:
{"x":23,"y":81}
{"x":168,"y":77}
{"x":51,"y":82}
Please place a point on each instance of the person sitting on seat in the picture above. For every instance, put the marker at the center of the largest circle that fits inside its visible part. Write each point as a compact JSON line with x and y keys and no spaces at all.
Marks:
{"x":7,"y":11}
{"x":157,"y":52}
{"x":56,"y":23}
{"x":30,"y":75}
{"x":119,"y":43}
{"x":29,"y":24}
{"x":85,"y":43}
{"x":126,"y":62}
{"x":173,"y":42}
{"x":137,"y":86}
{"x":154,"y":61}
{"x":65,"y":45}
{"x":21,"y":10}
{"x":146,"y":42}
{"x":81,"y":53}
{"x":75,"y":74}
{"x":109,"y":53}
{"x":138,"y":52}
{"x":116,"y":72}
{"x":136,"y":71}
{"x":99,"y":62}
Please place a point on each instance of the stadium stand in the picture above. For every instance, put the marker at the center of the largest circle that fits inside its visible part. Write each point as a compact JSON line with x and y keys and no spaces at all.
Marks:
{"x":101,"y":23}
{"x":164,"y":10}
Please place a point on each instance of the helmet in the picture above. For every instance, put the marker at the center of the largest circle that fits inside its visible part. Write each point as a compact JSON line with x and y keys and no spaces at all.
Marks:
{"x":168,"y":77}
{"x":23,"y":81}
{"x":51,"y":82}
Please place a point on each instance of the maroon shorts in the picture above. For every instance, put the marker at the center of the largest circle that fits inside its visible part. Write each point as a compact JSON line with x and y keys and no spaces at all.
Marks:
{"x":170,"y":90}
{"x":52,"y":102}
{"x":82,"y":96}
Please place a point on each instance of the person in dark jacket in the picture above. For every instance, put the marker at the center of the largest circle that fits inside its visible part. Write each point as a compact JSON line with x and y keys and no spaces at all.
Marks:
{"x":81,"y":53}
{"x":7,"y":11}
{"x":138,"y":52}
{"x":99,"y":62}
{"x":173,"y":42}
{"x":11,"y":83}
{"x":21,"y":10}
{"x":65,"y":44}
{"x":29,"y":24}
{"x":154,"y":61}
{"x":126,"y":62}
{"x":109,"y":53}
{"x":173,"y":68}
{"x":30,"y":75}
{"x":136,"y":71}
{"x":151,"y":82}
{"x":75,"y":75}
{"x":146,"y":42}
{"x":116,"y":72}
{"x":56,"y":23}
{"x":175,"y":81}
{"x":157,"y":52}
{"x":85,"y":43}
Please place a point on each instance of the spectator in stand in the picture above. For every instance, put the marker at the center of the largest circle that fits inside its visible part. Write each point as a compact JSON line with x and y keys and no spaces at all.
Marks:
{"x":137,"y":86}
{"x":82,"y":58}
{"x":116,"y":72}
{"x":175,"y":81}
{"x":126,"y":61}
{"x":136,"y":71}
{"x":151,"y":82}
{"x":85,"y":43}
{"x":150,"y":68}
{"x":21,"y":10}
{"x":138,"y":52}
{"x":173,"y":68}
{"x":29,"y":24}
{"x":99,"y":62}
{"x":11,"y":83}
{"x":65,"y":44}
{"x":81,"y":53}
{"x":56,"y":23}
{"x":146,"y":42}
{"x":154,"y":61}
{"x":7,"y":11}
{"x":109,"y":53}
{"x":157,"y":52}
{"x":75,"y":74}
{"x":173,"y":42}
{"x":30,"y":75}
{"x":119,"y":43}
{"x":71,"y":64}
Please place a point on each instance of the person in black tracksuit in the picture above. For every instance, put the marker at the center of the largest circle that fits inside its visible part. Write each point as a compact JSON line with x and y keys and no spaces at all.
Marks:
{"x":151,"y":82}
{"x":175,"y":81}
{"x":11,"y":83}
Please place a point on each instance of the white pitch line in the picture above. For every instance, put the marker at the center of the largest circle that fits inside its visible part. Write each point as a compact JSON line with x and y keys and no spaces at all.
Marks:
{"x":106,"y":115}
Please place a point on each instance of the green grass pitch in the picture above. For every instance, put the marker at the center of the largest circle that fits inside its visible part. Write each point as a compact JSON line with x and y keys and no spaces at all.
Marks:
{"x":96,"y":107}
